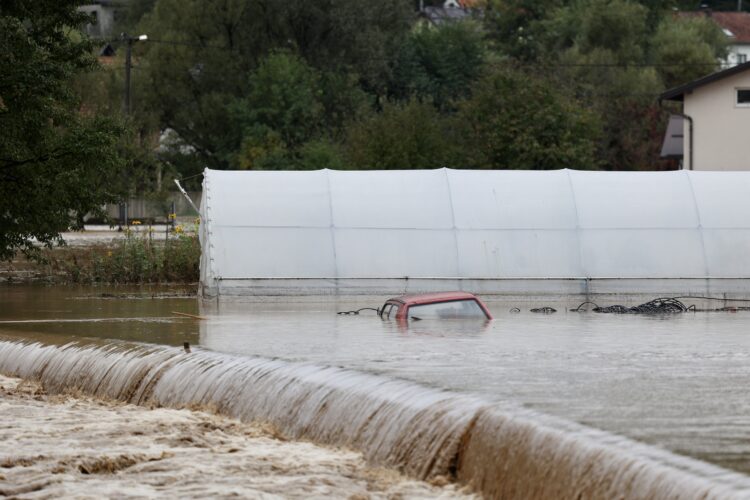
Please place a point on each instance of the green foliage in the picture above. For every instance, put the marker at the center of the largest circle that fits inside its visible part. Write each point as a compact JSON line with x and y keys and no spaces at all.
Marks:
{"x":233,"y":52}
{"x":285,"y":113}
{"x":615,"y":29}
{"x":285,"y":97}
{"x":296,"y":84}
{"x":439,"y":64}
{"x":517,"y":121}
{"x":402,"y":136}
{"x":343,"y":100}
{"x":695,"y":44}
{"x":135,"y":259}
{"x":300,"y":84}
{"x":56,"y":164}
{"x":616,"y":56}
{"x":512,"y":26}
{"x":263,"y":149}
{"x":102,"y":92}
{"x":319,"y":154}
{"x":132,"y":13}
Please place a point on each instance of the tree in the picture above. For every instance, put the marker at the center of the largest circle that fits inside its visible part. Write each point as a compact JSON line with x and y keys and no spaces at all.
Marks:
{"x":515,"y":120}
{"x":687,"y":48}
{"x":55,"y":163}
{"x":512,"y":26}
{"x":616,"y":28}
{"x":205,"y":55}
{"x":321,"y":154}
{"x":411,"y":135}
{"x":285,"y":96}
{"x":439,"y":64}
{"x":616,"y":56}
{"x":131,"y":13}
{"x":101,"y":94}
{"x":288,"y":112}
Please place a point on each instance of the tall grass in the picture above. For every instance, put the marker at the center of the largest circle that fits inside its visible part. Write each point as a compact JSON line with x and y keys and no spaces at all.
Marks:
{"x":135,"y":259}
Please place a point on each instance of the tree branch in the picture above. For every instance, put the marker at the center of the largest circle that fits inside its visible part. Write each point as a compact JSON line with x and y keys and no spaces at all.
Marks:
{"x":54,"y":155}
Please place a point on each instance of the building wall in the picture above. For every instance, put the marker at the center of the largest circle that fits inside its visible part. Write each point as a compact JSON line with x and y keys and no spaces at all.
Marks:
{"x":738,"y":54}
{"x":721,"y":129}
{"x":144,"y":209}
{"x":104,"y":22}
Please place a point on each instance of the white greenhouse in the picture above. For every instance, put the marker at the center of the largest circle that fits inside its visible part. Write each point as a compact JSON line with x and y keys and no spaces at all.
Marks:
{"x":491,"y":232}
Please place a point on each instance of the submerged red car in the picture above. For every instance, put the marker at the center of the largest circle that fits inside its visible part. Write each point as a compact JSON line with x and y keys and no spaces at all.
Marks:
{"x":440,"y":305}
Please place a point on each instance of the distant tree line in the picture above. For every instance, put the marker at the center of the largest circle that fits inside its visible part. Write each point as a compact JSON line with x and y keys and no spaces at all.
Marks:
{"x":357,"y":84}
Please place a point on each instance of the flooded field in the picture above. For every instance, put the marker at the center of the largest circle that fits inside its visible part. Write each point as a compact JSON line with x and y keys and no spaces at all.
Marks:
{"x":678,"y":382}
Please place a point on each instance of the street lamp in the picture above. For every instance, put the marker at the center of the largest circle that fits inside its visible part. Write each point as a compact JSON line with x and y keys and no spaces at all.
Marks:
{"x":129,"y":40}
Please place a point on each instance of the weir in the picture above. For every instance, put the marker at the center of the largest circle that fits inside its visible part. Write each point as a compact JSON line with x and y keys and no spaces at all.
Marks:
{"x":500,"y":450}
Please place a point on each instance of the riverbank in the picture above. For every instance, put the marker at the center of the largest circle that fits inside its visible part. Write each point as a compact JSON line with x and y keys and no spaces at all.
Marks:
{"x":73,"y":445}
{"x":134,"y":256}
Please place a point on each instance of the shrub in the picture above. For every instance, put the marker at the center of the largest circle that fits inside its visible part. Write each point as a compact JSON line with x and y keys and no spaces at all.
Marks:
{"x":135,"y":259}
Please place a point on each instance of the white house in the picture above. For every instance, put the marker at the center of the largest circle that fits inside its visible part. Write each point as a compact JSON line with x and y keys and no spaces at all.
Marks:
{"x":736,"y":26}
{"x":103,"y":13}
{"x":716,"y":120}
{"x":450,"y":11}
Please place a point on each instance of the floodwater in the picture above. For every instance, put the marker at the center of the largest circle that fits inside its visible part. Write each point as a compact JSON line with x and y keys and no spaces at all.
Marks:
{"x":678,"y":382}
{"x":59,"y":314}
{"x":103,"y":449}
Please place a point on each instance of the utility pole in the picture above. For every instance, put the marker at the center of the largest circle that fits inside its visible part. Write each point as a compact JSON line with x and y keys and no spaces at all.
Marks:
{"x":129,"y":40}
{"x":128,"y":67}
{"x":739,"y":5}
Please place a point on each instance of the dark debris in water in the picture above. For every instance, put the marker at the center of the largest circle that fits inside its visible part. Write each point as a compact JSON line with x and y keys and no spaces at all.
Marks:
{"x":544,"y":310}
{"x":664,"y":305}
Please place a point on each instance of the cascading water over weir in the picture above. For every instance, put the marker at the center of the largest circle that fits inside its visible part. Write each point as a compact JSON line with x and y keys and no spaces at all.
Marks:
{"x":501,"y":451}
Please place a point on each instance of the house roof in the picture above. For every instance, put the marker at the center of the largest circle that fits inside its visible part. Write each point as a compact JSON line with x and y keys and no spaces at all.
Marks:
{"x":736,"y":25}
{"x":440,"y":15}
{"x":678,"y":93}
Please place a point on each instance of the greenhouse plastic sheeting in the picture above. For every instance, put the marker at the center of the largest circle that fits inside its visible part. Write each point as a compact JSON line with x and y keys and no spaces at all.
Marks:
{"x":526,"y":231}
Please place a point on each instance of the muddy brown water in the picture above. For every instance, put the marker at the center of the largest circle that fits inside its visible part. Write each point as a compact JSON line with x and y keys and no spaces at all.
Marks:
{"x":676,"y":383}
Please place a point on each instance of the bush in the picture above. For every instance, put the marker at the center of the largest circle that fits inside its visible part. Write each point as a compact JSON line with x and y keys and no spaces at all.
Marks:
{"x":136,"y":259}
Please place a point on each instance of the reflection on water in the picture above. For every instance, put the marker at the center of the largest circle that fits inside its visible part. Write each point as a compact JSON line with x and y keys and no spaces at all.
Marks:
{"x":677,"y":381}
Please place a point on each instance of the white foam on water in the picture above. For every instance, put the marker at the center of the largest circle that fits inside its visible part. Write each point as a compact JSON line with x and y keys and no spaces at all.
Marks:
{"x":502,"y":451}
{"x":64,"y":446}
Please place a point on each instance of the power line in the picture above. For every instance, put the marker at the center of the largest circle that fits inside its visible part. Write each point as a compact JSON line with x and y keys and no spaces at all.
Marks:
{"x":508,"y":62}
{"x":602,"y":65}
{"x":189,"y":44}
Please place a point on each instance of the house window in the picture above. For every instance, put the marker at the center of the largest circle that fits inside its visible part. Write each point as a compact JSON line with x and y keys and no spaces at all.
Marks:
{"x":743,"y":98}
{"x":741,"y":58}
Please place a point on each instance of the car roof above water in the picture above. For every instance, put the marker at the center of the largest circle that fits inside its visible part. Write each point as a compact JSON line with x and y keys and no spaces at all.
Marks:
{"x":426,"y":298}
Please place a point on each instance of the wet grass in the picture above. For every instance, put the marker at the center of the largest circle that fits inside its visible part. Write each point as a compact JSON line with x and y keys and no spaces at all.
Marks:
{"x":135,"y":259}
